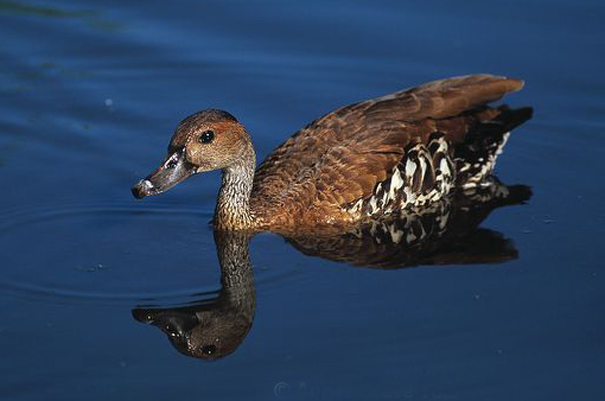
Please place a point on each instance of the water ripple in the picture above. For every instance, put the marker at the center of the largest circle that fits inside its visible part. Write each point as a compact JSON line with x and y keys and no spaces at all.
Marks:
{"x":108,"y":253}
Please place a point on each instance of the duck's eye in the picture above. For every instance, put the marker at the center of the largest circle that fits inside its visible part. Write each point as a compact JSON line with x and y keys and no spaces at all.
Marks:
{"x":208,"y":349}
{"x":207,"y":136}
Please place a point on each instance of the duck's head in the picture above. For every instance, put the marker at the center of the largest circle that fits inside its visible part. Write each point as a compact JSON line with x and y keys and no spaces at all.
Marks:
{"x":205,"y":141}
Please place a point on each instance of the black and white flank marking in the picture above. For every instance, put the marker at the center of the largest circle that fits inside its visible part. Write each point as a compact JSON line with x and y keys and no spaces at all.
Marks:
{"x":427,"y":173}
{"x":475,"y":162}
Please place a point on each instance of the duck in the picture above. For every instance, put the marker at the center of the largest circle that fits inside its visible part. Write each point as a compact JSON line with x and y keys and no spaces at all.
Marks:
{"x":364,"y":161}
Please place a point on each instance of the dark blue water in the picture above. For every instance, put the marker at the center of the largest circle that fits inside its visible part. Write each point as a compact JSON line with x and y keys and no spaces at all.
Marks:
{"x":89,"y":95}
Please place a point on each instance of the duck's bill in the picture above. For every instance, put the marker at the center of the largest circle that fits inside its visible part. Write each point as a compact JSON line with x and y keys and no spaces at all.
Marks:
{"x":173,"y":170}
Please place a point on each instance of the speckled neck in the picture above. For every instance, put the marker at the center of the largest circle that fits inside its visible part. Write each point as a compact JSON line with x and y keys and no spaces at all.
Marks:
{"x":233,"y":205}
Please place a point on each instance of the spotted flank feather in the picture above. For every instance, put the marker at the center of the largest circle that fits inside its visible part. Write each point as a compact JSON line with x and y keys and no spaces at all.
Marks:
{"x":424,"y":175}
{"x":475,"y":161}
{"x":410,"y":229}
{"x":431,"y":170}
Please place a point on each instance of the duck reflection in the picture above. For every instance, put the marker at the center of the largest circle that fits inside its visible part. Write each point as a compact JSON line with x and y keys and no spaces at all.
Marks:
{"x":213,"y":329}
{"x":447,"y":233}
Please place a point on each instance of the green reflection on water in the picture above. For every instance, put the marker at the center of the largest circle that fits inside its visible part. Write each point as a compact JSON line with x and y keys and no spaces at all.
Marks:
{"x":89,"y":16}
{"x":43,"y":11}
{"x":26,"y":78}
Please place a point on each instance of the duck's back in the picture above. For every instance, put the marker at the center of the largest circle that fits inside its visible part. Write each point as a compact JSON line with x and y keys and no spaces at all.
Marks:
{"x":383,"y":155}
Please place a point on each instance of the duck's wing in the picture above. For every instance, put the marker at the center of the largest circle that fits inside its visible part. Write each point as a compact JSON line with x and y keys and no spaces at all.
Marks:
{"x":342,"y":156}
{"x":442,"y":99}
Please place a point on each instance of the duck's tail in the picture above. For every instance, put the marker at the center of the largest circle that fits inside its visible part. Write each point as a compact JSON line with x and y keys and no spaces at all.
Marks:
{"x":476,"y":157}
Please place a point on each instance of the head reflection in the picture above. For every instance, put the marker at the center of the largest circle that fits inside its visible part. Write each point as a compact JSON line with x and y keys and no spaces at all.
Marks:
{"x":214,"y":328}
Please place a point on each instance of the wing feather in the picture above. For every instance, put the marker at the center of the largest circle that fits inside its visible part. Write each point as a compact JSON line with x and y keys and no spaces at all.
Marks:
{"x":342,"y":156}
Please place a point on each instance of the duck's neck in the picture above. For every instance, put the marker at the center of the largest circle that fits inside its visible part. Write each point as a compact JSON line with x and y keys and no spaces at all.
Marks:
{"x":233,"y":205}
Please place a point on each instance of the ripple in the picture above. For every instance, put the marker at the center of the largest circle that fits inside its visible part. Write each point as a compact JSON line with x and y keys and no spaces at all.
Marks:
{"x":109,"y":253}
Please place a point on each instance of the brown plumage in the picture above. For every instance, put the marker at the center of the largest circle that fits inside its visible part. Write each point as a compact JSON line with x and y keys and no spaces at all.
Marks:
{"x":365,"y":160}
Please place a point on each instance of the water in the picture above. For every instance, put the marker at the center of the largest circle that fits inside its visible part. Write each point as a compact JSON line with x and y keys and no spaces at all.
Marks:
{"x":90,"y":94}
